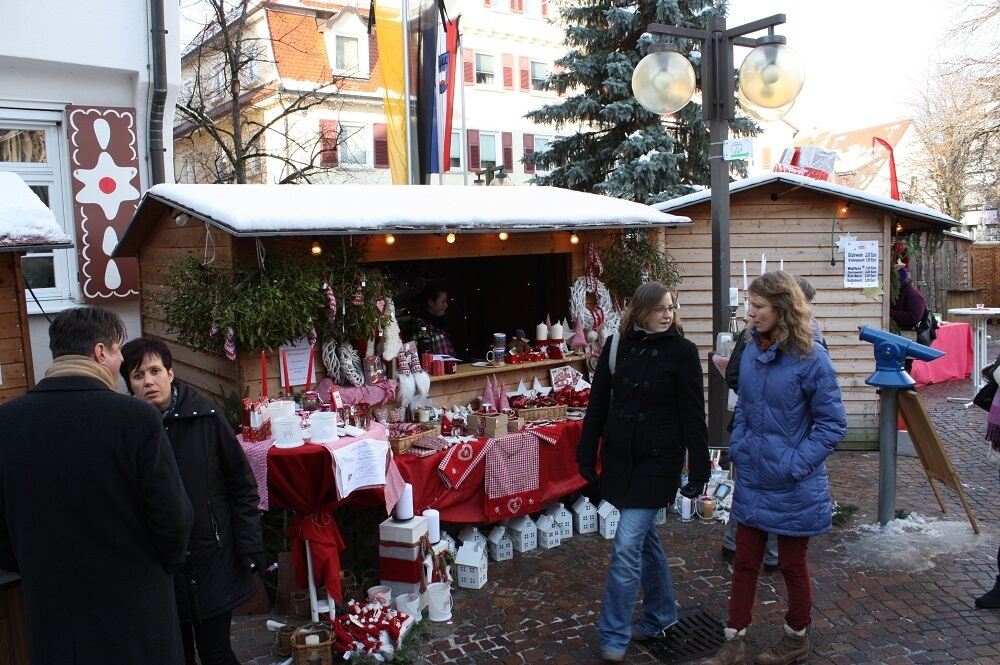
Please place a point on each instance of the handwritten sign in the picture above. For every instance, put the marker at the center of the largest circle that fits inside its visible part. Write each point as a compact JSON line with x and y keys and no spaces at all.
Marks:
{"x":297,"y":355}
{"x":360,"y":464}
{"x":861,"y":264}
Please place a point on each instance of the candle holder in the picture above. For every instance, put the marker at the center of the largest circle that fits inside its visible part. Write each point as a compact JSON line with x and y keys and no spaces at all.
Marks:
{"x":733,"y":324}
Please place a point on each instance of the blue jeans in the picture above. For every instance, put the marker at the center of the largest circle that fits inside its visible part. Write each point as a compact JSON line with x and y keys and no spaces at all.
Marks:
{"x":636,"y":556}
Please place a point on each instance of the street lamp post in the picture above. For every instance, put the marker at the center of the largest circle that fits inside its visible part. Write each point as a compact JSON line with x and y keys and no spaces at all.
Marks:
{"x":770,"y":79}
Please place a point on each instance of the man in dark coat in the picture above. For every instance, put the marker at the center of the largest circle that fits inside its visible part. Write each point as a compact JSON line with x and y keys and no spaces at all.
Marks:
{"x":93,"y":514}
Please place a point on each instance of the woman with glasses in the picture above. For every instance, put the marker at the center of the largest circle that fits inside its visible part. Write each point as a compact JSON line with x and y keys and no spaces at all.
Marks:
{"x":647,"y":411}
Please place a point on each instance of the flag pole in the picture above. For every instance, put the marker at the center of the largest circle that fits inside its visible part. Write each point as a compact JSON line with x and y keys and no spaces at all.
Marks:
{"x":406,"y":90}
{"x":460,"y":74}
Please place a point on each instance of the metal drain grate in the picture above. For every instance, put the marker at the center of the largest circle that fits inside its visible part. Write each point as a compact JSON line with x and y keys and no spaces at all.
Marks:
{"x":696,"y":634}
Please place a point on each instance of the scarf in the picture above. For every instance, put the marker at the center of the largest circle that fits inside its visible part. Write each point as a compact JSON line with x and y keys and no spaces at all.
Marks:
{"x":993,"y":423}
{"x":81,"y":366}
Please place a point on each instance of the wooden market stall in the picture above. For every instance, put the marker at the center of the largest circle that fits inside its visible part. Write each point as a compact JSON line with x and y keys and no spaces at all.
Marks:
{"x":512,"y":282}
{"x":798,"y":220}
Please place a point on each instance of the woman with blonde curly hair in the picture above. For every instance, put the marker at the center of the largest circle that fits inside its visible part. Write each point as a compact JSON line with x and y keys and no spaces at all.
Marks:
{"x":788,"y":420}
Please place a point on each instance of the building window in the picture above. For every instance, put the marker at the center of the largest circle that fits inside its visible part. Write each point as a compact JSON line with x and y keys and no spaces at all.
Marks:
{"x":456,"y":150}
{"x":353,"y":142}
{"x":539,"y":72}
{"x":485,"y":69}
{"x":30,"y":147}
{"x":487,"y":150}
{"x":541,"y":145}
{"x":533,"y":7}
{"x":347,"y":53}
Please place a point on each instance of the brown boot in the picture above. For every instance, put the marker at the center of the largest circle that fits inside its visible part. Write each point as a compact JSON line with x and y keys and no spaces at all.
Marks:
{"x":733,"y":652}
{"x":793,"y":648}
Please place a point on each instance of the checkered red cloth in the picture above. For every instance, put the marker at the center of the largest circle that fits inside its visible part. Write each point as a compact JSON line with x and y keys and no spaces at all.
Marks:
{"x":512,"y":473}
{"x":459,"y":462}
{"x":256,"y":452}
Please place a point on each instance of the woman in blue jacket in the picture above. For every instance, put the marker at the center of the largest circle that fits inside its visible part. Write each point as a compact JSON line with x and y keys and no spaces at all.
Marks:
{"x":788,"y":420}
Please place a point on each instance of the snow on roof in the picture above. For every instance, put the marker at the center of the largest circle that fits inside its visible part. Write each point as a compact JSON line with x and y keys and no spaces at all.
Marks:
{"x":900,"y":207}
{"x":24,"y":220}
{"x":255,"y":210}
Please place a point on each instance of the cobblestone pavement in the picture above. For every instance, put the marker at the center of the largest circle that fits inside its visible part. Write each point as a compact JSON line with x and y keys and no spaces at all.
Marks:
{"x":868,"y":607}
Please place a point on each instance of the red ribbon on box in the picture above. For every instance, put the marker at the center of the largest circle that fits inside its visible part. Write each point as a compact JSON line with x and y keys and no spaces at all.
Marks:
{"x":404,"y":570}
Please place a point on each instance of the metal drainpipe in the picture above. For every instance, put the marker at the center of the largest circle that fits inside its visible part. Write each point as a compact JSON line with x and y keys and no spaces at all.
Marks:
{"x":158,"y":43}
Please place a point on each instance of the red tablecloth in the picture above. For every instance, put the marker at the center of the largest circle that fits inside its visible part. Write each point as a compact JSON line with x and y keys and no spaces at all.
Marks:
{"x":955,"y":339}
{"x":557,"y":477}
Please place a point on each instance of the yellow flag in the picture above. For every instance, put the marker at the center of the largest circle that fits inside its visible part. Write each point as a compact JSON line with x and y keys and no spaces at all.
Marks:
{"x":389,"y":28}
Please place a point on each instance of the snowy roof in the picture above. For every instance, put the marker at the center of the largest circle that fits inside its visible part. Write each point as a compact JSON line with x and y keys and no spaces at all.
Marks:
{"x":937,"y":219}
{"x":25,"y":222}
{"x":312,"y":210}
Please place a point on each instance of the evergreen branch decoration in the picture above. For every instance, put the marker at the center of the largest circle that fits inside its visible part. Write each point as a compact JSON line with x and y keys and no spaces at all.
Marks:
{"x":631,"y":260}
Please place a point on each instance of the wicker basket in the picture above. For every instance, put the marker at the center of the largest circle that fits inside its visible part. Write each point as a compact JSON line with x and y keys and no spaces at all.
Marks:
{"x":401,"y":444}
{"x":557,"y":412}
{"x":283,"y":641}
{"x":302,"y":653}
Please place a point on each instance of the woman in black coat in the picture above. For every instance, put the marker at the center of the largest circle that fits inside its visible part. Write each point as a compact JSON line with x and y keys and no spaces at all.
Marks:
{"x":226,"y":542}
{"x":648,"y":411}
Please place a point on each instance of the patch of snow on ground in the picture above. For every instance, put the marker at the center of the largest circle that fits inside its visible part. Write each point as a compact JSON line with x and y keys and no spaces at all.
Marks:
{"x":911,"y":544}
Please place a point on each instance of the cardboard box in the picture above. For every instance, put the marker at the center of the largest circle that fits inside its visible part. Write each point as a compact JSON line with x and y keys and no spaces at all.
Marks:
{"x":490,"y":426}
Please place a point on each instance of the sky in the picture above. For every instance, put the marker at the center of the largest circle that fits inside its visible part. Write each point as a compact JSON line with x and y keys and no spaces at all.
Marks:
{"x":863,"y":59}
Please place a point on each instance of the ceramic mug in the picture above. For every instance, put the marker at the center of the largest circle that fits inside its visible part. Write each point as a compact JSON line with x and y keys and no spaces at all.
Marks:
{"x":287,"y":431}
{"x":381,"y":594}
{"x":495,"y":356}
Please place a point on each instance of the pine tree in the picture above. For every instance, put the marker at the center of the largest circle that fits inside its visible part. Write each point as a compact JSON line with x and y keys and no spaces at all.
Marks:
{"x":621,"y":149}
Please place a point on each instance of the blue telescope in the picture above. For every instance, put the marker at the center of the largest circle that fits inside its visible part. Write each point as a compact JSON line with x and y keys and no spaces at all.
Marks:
{"x":890,"y":353}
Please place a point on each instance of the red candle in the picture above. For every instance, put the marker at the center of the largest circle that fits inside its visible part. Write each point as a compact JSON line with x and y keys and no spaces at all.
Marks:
{"x":284,"y":369}
{"x":263,"y":374}
{"x":309,"y":370}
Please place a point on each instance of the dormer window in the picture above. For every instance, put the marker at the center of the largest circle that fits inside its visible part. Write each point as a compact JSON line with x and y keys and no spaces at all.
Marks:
{"x":346,"y":37}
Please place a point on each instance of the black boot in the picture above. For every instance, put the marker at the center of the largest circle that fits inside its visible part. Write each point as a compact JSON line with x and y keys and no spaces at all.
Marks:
{"x":991,"y":599}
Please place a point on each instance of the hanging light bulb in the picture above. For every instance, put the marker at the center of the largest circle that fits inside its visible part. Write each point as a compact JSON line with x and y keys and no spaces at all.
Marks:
{"x":574,"y":239}
{"x":503,"y":235}
{"x":844,"y":207}
{"x":450,"y":238}
{"x":316,"y":248}
{"x":390,"y":239}
{"x":771,"y":76}
{"x":663,"y":82}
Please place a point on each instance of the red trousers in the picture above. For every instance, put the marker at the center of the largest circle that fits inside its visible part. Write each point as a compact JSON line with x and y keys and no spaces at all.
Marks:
{"x":750,"y":543}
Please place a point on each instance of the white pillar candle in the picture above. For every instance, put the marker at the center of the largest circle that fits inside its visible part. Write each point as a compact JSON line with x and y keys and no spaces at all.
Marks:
{"x":781,"y":264}
{"x":763,"y":263}
{"x":404,"y":507}
{"x":541,"y":331}
{"x":312,"y":640}
{"x":433,"y":525}
{"x":745,"y":275}
{"x":734,"y":296}
{"x":556,"y":331}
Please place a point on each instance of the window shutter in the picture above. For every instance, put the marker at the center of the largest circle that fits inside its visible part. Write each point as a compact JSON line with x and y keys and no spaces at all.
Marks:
{"x":529,"y":146}
{"x":469,"y":65}
{"x":507,"y":140}
{"x":474,"y":164}
{"x":520,"y":6}
{"x":525,"y":66}
{"x":545,"y":7}
{"x":508,"y":71}
{"x":328,"y":155}
{"x":381,"y":148}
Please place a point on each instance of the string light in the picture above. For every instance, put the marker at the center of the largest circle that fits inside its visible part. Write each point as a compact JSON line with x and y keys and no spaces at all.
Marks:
{"x":390,"y":239}
{"x":316,"y":249}
{"x":574,"y":239}
{"x":844,"y":207}
{"x":504,"y":235}
{"x":450,"y":238}
{"x":899,"y":227}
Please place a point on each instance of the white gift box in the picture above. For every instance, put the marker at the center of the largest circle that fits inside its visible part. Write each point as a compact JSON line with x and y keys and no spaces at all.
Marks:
{"x":584,"y":516}
{"x":548,"y":532}
{"x":407,"y":532}
{"x":607,"y":519}
{"x":470,"y":565}
{"x":524,"y":533}
{"x":501,"y":547}
{"x":563,"y":518}
{"x":471,"y":534}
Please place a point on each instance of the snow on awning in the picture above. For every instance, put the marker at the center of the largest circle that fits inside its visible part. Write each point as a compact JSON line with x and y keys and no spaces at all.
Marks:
{"x":938,"y":220}
{"x":313,"y":210}
{"x":25,"y":222}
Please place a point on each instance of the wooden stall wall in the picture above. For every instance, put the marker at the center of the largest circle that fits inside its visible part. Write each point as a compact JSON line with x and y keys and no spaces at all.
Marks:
{"x":211,"y":374}
{"x":945,"y":277}
{"x":15,"y":341}
{"x":798,"y":228}
{"x":986,"y":272}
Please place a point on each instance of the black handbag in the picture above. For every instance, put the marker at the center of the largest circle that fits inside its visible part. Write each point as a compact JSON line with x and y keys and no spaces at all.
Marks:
{"x":984,"y":398}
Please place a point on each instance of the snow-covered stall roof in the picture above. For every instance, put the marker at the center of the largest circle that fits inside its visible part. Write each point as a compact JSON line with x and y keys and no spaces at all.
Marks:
{"x":25,"y":222}
{"x":313,"y":210}
{"x":929,"y":216}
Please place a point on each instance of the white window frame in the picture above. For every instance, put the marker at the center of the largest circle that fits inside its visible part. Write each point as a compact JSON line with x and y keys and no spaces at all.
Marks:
{"x":54,"y":174}
{"x":497,"y":76}
{"x":531,"y":77}
{"x":498,"y":148}
{"x":548,"y":138}
{"x":361,"y":71}
{"x":361,"y":133}
{"x":533,"y":8}
{"x":456,"y":140}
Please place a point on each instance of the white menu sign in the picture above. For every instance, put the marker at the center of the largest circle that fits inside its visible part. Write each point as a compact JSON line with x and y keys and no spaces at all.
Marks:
{"x":360,"y":464}
{"x":861,"y":264}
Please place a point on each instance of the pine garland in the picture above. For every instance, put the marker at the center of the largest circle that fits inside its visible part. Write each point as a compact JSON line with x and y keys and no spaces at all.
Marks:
{"x":631,"y":259}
